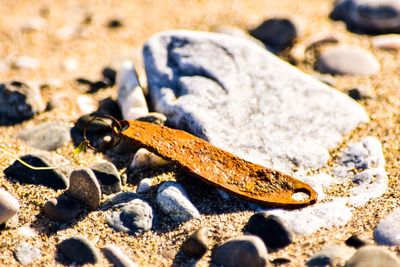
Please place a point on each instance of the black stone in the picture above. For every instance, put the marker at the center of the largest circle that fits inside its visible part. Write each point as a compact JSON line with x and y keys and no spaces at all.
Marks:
{"x":356,"y":242}
{"x":108,"y":177}
{"x":109,"y":74}
{"x":78,"y":250}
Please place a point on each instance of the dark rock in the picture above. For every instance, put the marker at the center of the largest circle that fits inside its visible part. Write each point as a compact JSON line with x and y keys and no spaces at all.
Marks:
{"x":25,"y":253}
{"x":373,"y":256}
{"x":109,"y":106}
{"x":355,"y":241}
{"x":78,"y":250}
{"x":109,"y":75}
{"x":360,"y":93}
{"x":271,"y":229}
{"x":276,"y":33}
{"x":117,"y":257}
{"x":114,"y":23}
{"x":108,"y":177}
{"x":196,"y":245}
{"x":244,"y":251}
{"x":62,"y":208}
{"x":55,"y":178}
{"x":85,"y":188}
{"x":97,"y":86}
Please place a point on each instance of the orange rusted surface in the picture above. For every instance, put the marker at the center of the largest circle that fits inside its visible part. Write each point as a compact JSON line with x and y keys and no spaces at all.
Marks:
{"x":217,"y":167}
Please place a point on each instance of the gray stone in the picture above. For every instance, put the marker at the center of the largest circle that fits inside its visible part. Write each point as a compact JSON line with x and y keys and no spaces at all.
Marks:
{"x":119,"y":200}
{"x":135,"y":217}
{"x":173,"y":200}
{"x":46,"y":136}
{"x":244,"y":251}
{"x":117,"y":257}
{"x":78,"y":250}
{"x":371,"y":16}
{"x":373,"y":256}
{"x":387,"y":232}
{"x":144,"y":185}
{"x":346,"y":59}
{"x":85,"y":188}
{"x":196,"y":245}
{"x":245,"y":100}
{"x":333,"y":255}
{"x":108,"y":177}
{"x":25,"y":253}
{"x":387,"y":42}
{"x":62,"y":208}
{"x":19,"y":103}
{"x":9,"y":206}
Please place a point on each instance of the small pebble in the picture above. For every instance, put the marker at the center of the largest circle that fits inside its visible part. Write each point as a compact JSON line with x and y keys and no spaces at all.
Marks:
{"x":373,"y":256}
{"x":108,"y":177}
{"x":117,"y":257}
{"x":243,"y":251}
{"x":70,"y":64}
{"x":9,"y":206}
{"x":355,"y":241}
{"x":109,"y":75}
{"x":26,"y":62}
{"x":114,"y":23}
{"x":196,"y":245}
{"x":85,"y":188}
{"x":86,"y":104}
{"x":387,"y":42}
{"x":144,"y":185}
{"x":333,"y":255}
{"x":387,"y":233}
{"x":173,"y":200}
{"x":271,"y":229}
{"x":144,"y":158}
{"x":27,"y":231}
{"x":25,"y":253}
{"x":78,"y":250}
{"x":62,"y":209}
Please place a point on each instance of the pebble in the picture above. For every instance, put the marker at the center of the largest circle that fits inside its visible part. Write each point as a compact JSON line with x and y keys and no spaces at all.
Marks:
{"x":86,"y":104}
{"x":46,"y":136}
{"x":108,"y":177}
{"x":55,"y":178}
{"x":271,"y":229}
{"x":26,"y":254}
{"x":109,"y":75}
{"x":387,"y":233}
{"x":387,"y":42}
{"x":196,"y":245}
{"x":243,"y":251}
{"x":331,"y":255}
{"x":130,"y":94}
{"x":136,"y":217}
{"x":356,"y":242}
{"x":173,"y":200}
{"x":62,"y":209}
{"x":144,"y":158}
{"x":144,"y":185}
{"x":277,"y":33}
{"x":360,"y":93}
{"x":155,"y":118}
{"x":26,"y":62}
{"x":349,"y":60}
{"x":119,"y":200}
{"x":117,"y":257}
{"x":306,"y":117}
{"x":9,"y":206}
{"x":377,"y":16}
{"x":373,"y":256}
{"x":85,"y":188}
{"x":27,"y":232}
{"x":19,"y":103}
{"x":114,"y":23}
{"x":78,"y":250}
{"x":33,"y":24}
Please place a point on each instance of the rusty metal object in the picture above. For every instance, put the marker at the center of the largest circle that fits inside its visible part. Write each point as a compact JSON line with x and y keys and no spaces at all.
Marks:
{"x":217,"y":167}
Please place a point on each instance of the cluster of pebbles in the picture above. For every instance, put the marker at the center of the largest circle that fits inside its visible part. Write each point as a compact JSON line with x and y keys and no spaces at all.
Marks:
{"x":189,"y":75}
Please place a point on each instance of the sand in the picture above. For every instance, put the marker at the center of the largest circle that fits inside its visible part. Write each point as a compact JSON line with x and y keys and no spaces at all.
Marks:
{"x":99,"y":46}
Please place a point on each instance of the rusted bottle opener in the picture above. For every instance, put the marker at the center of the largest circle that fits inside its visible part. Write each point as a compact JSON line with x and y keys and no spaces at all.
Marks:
{"x":215,"y":166}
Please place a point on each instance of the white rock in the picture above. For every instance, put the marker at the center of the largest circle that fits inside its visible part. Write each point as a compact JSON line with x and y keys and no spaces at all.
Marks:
{"x":144,"y":158}
{"x":130,"y":95}
{"x":144,"y":185}
{"x":70,"y":64}
{"x":9,"y":206}
{"x":86,"y":104}
{"x":26,"y":62}
{"x":387,"y":232}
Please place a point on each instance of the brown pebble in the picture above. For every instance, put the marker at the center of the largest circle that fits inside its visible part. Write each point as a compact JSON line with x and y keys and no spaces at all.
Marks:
{"x":196,"y":245}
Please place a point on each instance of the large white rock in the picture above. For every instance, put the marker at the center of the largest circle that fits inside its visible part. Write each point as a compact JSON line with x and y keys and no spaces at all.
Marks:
{"x":244,"y":99}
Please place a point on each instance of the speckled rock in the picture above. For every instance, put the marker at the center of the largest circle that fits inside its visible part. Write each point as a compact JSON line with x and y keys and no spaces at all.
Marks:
{"x":62,"y":208}
{"x":78,"y":250}
{"x":331,"y":255}
{"x":117,"y":257}
{"x":387,"y":232}
{"x":85,"y":188}
{"x":108,"y":177}
{"x":244,"y":251}
{"x":350,"y":60}
{"x":196,"y":245}
{"x":220,"y":88}
{"x":373,"y":256}
{"x":173,"y":200}
{"x":46,"y":136}
{"x":144,"y":158}
{"x":9,"y":206}
{"x":26,"y":254}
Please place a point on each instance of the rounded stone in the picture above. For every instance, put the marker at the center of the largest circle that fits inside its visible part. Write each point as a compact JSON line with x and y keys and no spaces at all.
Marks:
{"x":196,"y":245}
{"x":25,"y":253}
{"x":155,"y":118}
{"x":144,"y":185}
{"x":350,"y":60}
{"x":387,"y":231}
{"x":108,"y":177}
{"x":244,"y":251}
{"x":271,"y":229}
{"x":373,"y":256}
{"x":9,"y":206}
{"x":78,"y":250}
{"x":117,"y":257}
{"x":62,"y":208}
{"x":85,"y":188}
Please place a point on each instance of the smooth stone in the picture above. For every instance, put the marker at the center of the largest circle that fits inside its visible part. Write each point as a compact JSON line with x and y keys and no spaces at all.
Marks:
{"x":155,"y":118}
{"x":311,"y":219}
{"x":84,"y":187}
{"x":26,"y":62}
{"x":78,"y":250}
{"x":130,"y":94}
{"x":9,"y":206}
{"x":19,"y":103}
{"x":387,"y":233}
{"x":387,"y":42}
{"x":119,"y":200}
{"x":332,"y":255}
{"x":55,"y":178}
{"x":108,"y":177}
{"x":276,"y":33}
{"x":136,"y":217}
{"x":25,"y":253}
{"x":243,"y":251}
{"x":355,"y":241}
{"x":370,"y":16}
{"x":117,"y":257}
{"x":144,"y":185}
{"x":196,"y":245}
{"x":220,"y":88}
{"x":271,"y":229}
{"x":144,"y":158}
{"x":46,"y":136}
{"x":351,"y":60}
{"x":373,"y":256}
{"x":62,"y":209}
{"x":173,"y":200}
